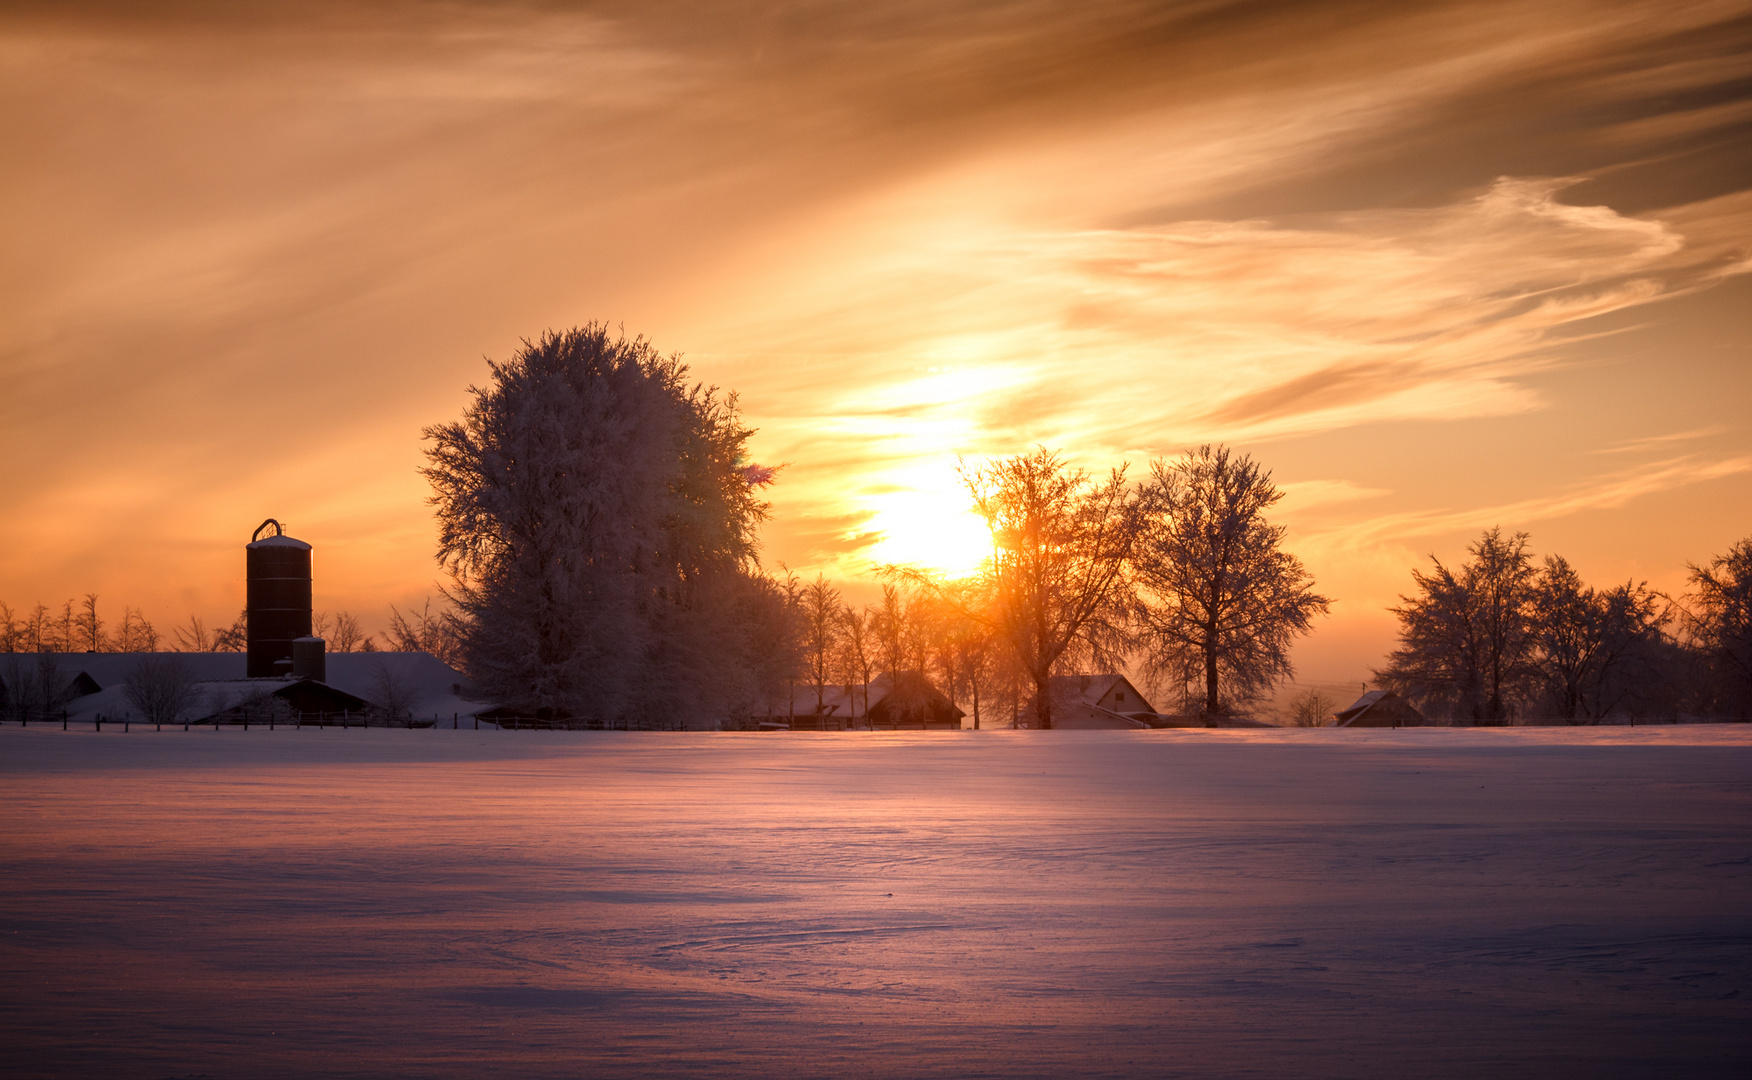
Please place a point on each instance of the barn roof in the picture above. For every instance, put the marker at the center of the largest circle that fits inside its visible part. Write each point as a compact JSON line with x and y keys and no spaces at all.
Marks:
{"x":427,"y":685}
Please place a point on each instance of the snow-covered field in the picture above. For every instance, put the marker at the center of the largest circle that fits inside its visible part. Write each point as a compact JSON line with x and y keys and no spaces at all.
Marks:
{"x":1448,"y":903}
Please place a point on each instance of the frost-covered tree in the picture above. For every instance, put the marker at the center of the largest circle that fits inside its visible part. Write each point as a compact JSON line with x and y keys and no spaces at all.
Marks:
{"x":858,"y":649}
{"x":819,"y":609}
{"x":1594,"y":653}
{"x":1222,"y":600}
{"x":1312,"y":709}
{"x":1057,"y":577}
{"x":1721,"y":624}
{"x":1466,"y":647}
{"x":424,"y":630}
{"x":160,"y":685}
{"x":597,"y":519}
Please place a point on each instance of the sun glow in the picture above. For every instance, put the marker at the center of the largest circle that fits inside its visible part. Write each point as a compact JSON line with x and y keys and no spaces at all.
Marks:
{"x":927,"y":520}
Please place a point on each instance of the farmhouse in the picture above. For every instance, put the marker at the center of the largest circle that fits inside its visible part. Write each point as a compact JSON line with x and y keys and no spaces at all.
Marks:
{"x":1094,"y":702}
{"x":405,"y":685}
{"x":897,"y":701}
{"x":1378,"y":708}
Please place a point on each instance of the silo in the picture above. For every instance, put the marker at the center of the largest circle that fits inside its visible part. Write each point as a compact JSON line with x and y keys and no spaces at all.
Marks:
{"x":279,"y":599}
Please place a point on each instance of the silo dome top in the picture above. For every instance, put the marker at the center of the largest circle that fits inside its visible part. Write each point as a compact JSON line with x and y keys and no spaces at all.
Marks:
{"x":279,"y":539}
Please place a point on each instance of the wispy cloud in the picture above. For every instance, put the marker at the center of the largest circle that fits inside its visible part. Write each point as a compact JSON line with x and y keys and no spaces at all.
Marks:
{"x":1602,"y":493}
{"x":252,"y":249}
{"x":1661,"y":442}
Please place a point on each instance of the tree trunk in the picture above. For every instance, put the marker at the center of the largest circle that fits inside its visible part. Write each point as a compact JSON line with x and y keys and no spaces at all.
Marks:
{"x":1210,"y":659}
{"x":1043,"y":702}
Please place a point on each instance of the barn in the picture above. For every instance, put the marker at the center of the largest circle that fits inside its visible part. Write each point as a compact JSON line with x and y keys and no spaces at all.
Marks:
{"x":1379,"y":708}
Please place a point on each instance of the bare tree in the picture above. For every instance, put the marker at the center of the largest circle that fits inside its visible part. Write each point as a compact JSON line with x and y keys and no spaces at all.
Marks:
{"x":1312,"y":709}
{"x":32,"y":687}
{"x":391,"y":693}
{"x":193,"y":636}
{"x":1061,"y":543}
{"x":63,"y":635}
{"x":1721,"y":624}
{"x":967,"y":641}
{"x":90,"y":626}
{"x":161,"y":686}
{"x":819,"y":608}
{"x":1466,"y":640}
{"x":858,"y":649}
{"x":37,"y":634}
{"x":1222,"y":601}
{"x":233,"y":638}
{"x":11,"y":630}
{"x":345,"y":634}
{"x":889,"y":626}
{"x":135,"y":634}
{"x":422,"y":631}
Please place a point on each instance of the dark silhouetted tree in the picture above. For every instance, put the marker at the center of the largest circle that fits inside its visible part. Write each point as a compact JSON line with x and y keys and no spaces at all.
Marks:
{"x":1466,"y":646}
{"x":160,"y":685}
{"x":1221,"y":599}
{"x":1594,"y":653}
{"x":1720,"y":623}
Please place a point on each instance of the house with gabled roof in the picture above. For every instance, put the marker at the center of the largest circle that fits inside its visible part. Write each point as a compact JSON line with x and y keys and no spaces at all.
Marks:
{"x":896,"y":700}
{"x":1098,"y":702}
{"x":1378,"y":708}
{"x":413,"y":685}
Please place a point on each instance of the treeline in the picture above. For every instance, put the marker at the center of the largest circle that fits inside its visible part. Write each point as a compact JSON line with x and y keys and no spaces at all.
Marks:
{"x":1180,"y":578}
{"x":80,"y":627}
{"x":1501,"y":638}
{"x":597,"y":516}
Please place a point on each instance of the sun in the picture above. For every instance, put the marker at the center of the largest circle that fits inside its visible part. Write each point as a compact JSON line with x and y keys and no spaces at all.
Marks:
{"x":930,"y":525}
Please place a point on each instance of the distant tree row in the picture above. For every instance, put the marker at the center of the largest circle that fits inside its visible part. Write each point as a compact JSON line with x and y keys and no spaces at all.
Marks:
{"x":1499,"y":638}
{"x":597,"y":516}
{"x":1181,"y":576}
{"x":79,"y":627}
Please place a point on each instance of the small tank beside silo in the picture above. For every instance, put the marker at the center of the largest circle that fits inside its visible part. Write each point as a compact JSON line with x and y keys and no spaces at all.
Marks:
{"x":278,"y":604}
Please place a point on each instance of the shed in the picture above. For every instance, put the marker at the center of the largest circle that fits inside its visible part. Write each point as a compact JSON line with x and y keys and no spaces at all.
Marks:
{"x":1378,"y":708}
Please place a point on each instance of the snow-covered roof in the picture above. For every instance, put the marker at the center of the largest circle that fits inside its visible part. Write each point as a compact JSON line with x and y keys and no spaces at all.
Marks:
{"x":1369,"y":698}
{"x":427,"y":685}
{"x":1382,"y":703}
{"x":1086,"y":689}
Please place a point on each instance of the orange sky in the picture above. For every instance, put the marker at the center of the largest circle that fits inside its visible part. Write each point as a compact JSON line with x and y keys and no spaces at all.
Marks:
{"x":1440,"y":269}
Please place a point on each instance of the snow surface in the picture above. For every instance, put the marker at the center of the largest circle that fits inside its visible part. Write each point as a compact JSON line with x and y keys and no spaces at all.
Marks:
{"x":1290,"y":903}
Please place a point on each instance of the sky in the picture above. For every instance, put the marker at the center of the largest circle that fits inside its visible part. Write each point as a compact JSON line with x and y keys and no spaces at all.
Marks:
{"x":1439,"y":267}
